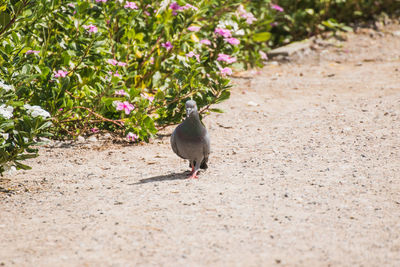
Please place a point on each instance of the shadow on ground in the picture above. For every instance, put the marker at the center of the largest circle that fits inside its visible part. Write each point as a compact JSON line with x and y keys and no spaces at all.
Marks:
{"x":161,"y":178}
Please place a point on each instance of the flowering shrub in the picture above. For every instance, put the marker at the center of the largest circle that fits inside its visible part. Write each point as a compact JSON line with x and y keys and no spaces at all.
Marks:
{"x":127,"y":66}
{"x":20,"y":125}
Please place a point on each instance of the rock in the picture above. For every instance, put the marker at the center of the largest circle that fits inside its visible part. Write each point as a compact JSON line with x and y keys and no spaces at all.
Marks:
{"x":92,"y":138}
{"x":80,"y":139}
{"x":251,"y":103}
{"x":106,"y":136}
{"x":396,"y":33}
{"x":289,"y":50}
{"x":45,"y":140}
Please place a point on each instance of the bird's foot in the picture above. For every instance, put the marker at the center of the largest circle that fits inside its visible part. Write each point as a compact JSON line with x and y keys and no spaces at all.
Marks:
{"x":193,"y":175}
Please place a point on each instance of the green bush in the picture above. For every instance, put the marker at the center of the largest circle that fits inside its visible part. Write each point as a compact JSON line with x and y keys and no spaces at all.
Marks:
{"x":309,"y":17}
{"x":20,"y":127}
{"x":125,"y":66}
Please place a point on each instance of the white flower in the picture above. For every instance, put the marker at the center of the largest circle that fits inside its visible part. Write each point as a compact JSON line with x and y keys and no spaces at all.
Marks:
{"x":5,"y":86}
{"x":234,"y":27}
{"x":239,"y":32}
{"x":36,"y":111}
{"x":6,"y":111}
{"x":5,"y":135}
{"x":164,"y":4}
{"x":224,"y":23}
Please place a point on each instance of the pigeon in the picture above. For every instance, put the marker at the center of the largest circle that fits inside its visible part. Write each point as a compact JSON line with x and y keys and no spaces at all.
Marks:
{"x":190,"y":140}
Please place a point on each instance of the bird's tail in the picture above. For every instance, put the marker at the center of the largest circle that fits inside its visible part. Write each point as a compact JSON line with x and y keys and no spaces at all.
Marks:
{"x":203,"y":164}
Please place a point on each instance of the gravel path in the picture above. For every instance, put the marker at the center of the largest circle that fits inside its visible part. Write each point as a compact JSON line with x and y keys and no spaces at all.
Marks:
{"x":304,"y":171}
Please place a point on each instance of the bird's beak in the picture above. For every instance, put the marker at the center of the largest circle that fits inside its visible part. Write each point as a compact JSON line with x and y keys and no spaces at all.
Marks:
{"x":188,"y":111}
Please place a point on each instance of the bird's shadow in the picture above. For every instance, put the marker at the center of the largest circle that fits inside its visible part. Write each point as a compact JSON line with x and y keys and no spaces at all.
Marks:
{"x":161,"y":178}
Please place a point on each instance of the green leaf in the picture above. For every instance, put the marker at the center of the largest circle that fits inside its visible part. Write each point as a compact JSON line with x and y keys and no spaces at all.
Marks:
{"x":309,"y":11}
{"x":4,"y":19}
{"x":22,"y":166}
{"x":26,"y":156}
{"x":217,"y":110}
{"x":139,"y":36}
{"x":261,"y":36}
{"x":224,"y":96}
{"x":45,"y":125}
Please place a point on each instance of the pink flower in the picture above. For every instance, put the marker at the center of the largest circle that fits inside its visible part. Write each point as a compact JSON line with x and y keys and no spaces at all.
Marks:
{"x":174,"y":6}
{"x":116,"y":62}
{"x":112,"y":62}
{"x":192,"y":54}
{"x":194,"y":28}
{"x":94,"y":130}
{"x":101,"y":1}
{"x":91,"y":28}
{"x":60,"y":109}
{"x":116,"y":74}
{"x":232,"y":41}
{"x":121,"y":92}
{"x":147,"y":96}
{"x":241,"y":10}
{"x":223,"y":32}
{"x":146,"y":13}
{"x":167,"y":45}
{"x":71,"y":5}
{"x":276,"y":7}
{"x":274,"y":24}
{"x":263,"y":55}
{"x":152,"y":60}
{"x":247,"y":15}
{"x":131,"y":5}
{"x":131,"y":137}
{"x":189,"y":6}
{"x":126,"y":106}
{"x":226,"y":58}
{"x":60,"y":73}
{"x":205,"y":42}
{"x":250,"y":18}
{"x":32,"y":52}
{"x":225,"y":71}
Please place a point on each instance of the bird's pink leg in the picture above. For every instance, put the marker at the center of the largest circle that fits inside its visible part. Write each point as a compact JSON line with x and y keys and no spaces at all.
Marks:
{"x":192,"y":169}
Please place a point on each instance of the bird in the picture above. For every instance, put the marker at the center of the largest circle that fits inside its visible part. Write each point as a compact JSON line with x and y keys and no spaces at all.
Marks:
{"x":190,"y":140}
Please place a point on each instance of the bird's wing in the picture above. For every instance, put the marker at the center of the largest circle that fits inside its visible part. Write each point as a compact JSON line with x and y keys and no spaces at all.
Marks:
{"x":206,"y":145}
{"x":173,"y":143}
{"x":206,"y":150}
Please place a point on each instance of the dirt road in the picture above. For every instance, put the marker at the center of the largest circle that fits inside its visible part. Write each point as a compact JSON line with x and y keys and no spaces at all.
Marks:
{"x":304,"y":171}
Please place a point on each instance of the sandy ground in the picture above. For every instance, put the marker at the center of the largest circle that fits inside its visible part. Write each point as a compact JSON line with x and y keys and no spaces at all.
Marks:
{"x":306,"y":174}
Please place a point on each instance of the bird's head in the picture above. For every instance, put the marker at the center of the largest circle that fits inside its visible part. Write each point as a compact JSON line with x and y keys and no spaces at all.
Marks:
{"x":190,"y":107}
